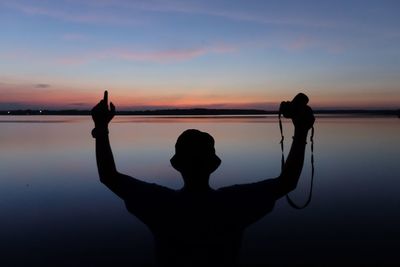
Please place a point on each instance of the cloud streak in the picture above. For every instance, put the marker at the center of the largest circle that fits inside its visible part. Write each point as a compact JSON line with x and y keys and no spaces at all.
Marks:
{"x":42,"y":85}
{"x":162,"y":56}
{"x":303,"y":43}
{"x":88,"y":17}
{"x":100,"y":13}
{"x":194,"y":8}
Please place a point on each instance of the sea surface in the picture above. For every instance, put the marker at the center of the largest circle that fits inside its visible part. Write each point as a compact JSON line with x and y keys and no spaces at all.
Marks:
{"x":55,"y":212}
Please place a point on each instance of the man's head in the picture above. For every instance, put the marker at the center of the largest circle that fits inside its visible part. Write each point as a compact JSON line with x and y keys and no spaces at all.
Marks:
{"x":195,"y":154}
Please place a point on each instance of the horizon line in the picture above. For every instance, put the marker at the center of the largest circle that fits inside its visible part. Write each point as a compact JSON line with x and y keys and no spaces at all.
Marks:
{"x":196,"y":111}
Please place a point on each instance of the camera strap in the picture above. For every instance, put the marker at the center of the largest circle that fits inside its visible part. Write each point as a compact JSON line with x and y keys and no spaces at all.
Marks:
{"x":289,"y":200}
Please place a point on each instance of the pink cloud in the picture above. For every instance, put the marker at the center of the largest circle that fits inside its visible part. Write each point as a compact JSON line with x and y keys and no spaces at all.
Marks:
{"x":163,"y":56}
{"x":302,"y":43}
{"x":171,"y":55}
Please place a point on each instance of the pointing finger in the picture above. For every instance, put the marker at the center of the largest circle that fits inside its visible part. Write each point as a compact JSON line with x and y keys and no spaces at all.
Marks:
{"x":105,"y":98}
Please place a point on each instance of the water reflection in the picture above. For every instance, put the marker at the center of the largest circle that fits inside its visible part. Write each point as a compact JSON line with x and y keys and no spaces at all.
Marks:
{"x":65,"y":214}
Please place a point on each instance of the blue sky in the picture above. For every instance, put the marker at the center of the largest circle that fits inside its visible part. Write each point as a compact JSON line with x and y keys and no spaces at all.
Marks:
{"x":150,"y":54}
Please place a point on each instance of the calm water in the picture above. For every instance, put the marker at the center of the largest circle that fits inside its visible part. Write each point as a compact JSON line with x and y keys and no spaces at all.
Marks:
{"x":55,"y":211}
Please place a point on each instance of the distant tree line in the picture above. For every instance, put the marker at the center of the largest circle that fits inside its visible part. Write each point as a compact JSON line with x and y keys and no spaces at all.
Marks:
{"x":198,"y":111}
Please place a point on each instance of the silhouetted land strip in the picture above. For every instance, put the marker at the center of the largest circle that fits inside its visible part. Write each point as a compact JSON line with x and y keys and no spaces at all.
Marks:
{"x":203,"y":112}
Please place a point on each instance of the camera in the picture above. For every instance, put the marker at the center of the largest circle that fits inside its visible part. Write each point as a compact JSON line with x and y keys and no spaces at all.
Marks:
{"x":289,"y":108}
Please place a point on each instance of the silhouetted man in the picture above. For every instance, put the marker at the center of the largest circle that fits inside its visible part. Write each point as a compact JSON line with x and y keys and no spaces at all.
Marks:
{"x":197,"y":225}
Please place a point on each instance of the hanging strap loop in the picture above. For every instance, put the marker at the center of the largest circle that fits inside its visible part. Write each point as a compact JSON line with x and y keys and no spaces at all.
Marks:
{"x":289,"y":200}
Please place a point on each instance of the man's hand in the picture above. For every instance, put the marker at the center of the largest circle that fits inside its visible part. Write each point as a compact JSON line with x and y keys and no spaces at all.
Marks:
{"x":101,"y":114}
{"x":303,"y":118}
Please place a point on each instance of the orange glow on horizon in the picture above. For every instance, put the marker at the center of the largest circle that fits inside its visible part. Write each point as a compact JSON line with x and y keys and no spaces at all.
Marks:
{"x":87,"y":100}
{"x":124,"y":99}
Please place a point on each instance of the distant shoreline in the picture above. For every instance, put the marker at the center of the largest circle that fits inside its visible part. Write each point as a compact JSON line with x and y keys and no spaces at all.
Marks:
{"x":201,"y":112}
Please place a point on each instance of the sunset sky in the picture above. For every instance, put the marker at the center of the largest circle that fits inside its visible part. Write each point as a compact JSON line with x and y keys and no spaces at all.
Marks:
{"x":221,"y":54}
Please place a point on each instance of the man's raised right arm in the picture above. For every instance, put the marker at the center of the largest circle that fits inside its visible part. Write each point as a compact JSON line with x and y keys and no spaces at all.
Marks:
{"x":122,"y":185}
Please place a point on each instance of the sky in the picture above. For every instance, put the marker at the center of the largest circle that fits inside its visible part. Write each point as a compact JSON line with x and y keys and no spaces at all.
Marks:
{"x":215,"y":54}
